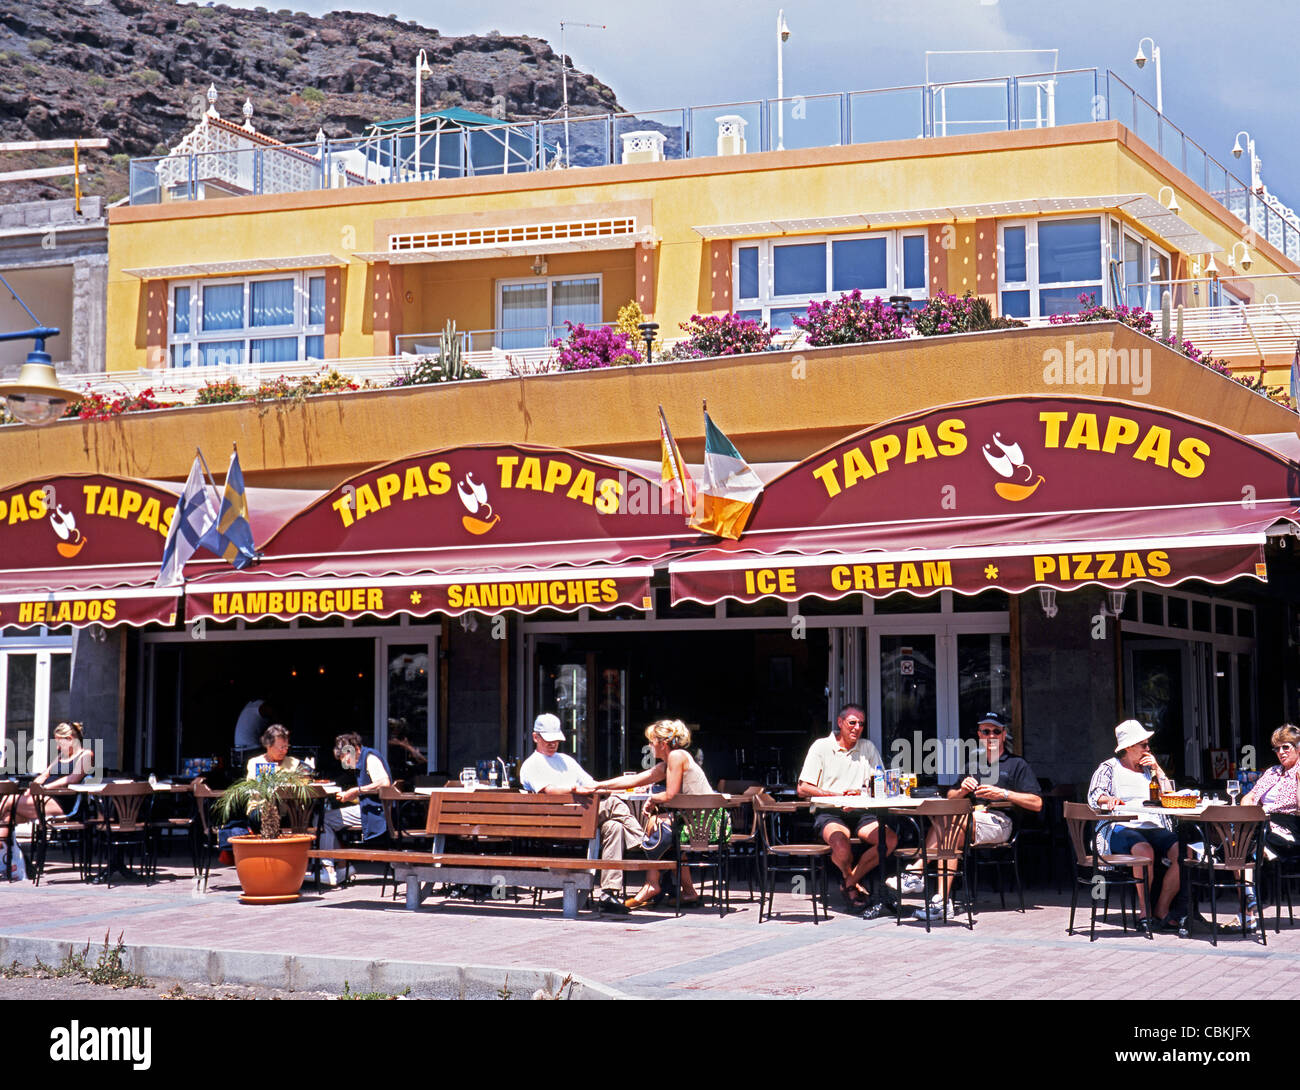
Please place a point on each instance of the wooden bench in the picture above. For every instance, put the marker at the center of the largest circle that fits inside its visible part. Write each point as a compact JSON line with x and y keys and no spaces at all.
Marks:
{"x":496,"y":816}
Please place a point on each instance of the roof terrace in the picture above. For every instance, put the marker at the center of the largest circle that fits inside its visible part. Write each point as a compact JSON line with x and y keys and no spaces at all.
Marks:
{"x":223,"y":159}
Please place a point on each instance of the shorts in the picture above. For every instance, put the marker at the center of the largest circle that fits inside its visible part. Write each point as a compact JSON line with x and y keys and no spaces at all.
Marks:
{"x":991,"y":827}
{"x":855,"y":823}
{"x":1123,"y":839}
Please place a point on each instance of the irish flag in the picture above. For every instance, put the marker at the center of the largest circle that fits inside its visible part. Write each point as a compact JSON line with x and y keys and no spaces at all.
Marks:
{"x":676,"y":486}
{"x":730,"y":488}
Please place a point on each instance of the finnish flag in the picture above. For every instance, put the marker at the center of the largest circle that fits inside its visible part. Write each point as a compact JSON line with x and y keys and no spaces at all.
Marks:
{"x":194,"y":517}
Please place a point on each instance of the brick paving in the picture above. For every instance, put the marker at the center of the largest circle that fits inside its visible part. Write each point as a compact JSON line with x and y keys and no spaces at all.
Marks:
{"x":652,"y":954}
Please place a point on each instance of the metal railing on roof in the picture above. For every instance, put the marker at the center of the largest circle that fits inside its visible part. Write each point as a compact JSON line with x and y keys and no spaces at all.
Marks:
{"x":1032,"y":101}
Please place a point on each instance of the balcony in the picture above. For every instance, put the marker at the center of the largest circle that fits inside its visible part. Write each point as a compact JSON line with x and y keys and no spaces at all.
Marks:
{"x":922,"y":111}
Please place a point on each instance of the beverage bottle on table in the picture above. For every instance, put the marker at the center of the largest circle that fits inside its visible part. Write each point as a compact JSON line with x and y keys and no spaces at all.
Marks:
{"x":878,"y":783}
{"x":1154,"y":786}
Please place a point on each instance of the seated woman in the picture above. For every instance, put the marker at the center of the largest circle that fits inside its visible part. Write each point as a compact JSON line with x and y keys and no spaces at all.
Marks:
{"x":72,"y":765}
{"x":676,"y":769}
{"x":1126,"y":779}
{"x":1276,"y":791}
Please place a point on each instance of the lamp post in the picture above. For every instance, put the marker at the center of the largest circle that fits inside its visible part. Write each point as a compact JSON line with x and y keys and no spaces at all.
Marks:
{"x":1255,"y":164}
{"x":648,"y":331}
{"x":1141,"y":59}
{"x":564,"y":79}
{"x":901,"y":305}
{"x":782,"y":36}
{"x":422,"y":69}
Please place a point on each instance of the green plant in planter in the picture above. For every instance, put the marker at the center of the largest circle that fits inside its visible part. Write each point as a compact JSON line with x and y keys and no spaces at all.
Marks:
{"x":271,"y":786}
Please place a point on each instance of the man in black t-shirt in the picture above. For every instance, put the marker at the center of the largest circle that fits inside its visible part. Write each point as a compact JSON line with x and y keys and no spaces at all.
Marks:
{"x":999,"y":778}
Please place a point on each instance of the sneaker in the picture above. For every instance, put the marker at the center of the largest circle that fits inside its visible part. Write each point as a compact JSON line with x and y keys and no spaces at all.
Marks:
{"x":935,"y":909}
{"x":911,"y":882}
{"x":875,"y":911}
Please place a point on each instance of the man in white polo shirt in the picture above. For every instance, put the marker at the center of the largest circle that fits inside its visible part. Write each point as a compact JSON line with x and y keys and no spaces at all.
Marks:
{"x":550,"y":772}
{"x":842,"y":764}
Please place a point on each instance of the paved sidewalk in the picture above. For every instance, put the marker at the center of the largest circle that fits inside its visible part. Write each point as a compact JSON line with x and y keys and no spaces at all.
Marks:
{"x":352,"y":934}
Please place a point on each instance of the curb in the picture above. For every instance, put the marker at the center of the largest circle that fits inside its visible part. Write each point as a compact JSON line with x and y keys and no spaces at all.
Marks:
{"x":426,"y":980}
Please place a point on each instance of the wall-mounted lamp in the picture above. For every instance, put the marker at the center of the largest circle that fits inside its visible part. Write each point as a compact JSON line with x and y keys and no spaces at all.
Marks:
{"x":1246,"y":260}
{"x":36,"y":397}
{"x":1211,"y":269}
{"x":539,"y":266}
{"x":1173,"y":199}
{"x":1116,"y":601}
{"x":1047,"y":599}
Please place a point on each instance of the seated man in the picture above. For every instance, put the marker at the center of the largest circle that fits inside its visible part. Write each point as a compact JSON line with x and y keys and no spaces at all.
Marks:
{"x":366,"y":812}
{"x":842,"y":764}
{"x":550,"y":772}
{"x":998,"y":777}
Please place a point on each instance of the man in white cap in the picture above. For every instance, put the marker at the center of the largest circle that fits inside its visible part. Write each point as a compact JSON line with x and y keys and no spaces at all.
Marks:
{"x":1126,"y":779}
{"x":550,"y":772}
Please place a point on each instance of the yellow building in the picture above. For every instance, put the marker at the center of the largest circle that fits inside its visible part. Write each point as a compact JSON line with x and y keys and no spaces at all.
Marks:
{"x":347,"y":263}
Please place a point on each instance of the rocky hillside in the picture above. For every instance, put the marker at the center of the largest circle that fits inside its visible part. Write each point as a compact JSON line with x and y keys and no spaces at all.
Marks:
{"x":135,"y":71}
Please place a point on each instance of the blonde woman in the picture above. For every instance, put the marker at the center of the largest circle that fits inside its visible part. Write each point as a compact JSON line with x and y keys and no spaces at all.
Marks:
{"x":676,"y":769}
{"x":73,"y":764}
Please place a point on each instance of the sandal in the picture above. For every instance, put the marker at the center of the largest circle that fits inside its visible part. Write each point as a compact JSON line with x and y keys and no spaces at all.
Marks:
{"x":640,"y":902}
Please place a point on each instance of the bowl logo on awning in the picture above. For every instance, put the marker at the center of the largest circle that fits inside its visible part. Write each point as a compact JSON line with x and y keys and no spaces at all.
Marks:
{"x":473,"y":495}
{"x":1009,"y":462}
{"x":66,"y":527}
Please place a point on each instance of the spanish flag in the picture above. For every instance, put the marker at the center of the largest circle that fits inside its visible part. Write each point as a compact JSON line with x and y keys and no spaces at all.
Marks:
{"x":676,"y":486}
{"x":726,"y":498}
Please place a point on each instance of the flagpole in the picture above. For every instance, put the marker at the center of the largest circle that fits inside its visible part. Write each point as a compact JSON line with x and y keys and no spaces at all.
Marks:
{"x":212,"y":482}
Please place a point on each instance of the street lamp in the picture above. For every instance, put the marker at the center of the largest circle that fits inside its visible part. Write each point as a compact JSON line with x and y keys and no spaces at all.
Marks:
{"x":1255,"y":164}
{"x":782,"y":36}
{"x":1141,"y":59}
{"x":422,"y":69}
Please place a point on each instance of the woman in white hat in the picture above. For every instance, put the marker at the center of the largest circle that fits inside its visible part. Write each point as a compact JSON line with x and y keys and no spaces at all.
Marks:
{"x":1126,"y":779}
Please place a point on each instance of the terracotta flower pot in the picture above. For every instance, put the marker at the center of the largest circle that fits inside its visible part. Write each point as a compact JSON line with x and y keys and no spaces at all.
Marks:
{"x":270,"y":871}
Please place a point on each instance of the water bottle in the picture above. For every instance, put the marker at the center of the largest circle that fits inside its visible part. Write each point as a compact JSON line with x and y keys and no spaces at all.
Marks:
{"x":878,"y":783}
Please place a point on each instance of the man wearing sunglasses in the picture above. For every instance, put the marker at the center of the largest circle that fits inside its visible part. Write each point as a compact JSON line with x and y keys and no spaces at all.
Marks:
{"x":842,"y":764}
{"x":997,"y":777}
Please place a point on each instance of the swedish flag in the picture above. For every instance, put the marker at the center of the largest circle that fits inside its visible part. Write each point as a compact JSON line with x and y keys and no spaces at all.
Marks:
{"x":232,"y":536}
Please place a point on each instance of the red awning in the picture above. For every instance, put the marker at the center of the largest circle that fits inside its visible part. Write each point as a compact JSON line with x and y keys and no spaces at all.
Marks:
{"x":1007,"y":493}
{"x":597,"y":586}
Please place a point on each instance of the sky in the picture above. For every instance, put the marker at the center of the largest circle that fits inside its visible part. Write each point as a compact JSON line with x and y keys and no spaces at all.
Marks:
{"x":1225,"y":67}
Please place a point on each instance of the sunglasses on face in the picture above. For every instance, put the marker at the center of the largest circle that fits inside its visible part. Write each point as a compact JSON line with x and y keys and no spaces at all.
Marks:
{"x":1285,"y":747}
{"x":990,"y":734}
{"x":853,"y":722}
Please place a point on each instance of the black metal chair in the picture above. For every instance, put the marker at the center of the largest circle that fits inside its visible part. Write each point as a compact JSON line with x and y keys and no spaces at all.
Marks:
{"x":1280,"y":871}
{"x":1233,"y":838}
{"x":122,"y":826}
{"x":206,"y":831}
{"x":701,"y":834}
{"x":1099,"y":873}
{"x":775,"y":857}
{"x":999,"y":856}
{"x":950,"y":820}
{"x":67,"y":831}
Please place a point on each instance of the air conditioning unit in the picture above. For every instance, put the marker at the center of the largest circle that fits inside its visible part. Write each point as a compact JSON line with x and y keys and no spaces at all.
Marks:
{"x":645,"y":146}
{"x":731,"y":134}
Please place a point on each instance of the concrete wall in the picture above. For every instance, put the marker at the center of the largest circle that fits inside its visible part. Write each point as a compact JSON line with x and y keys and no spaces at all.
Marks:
{"x":96,"y":688}
{"x":1069,"y":686}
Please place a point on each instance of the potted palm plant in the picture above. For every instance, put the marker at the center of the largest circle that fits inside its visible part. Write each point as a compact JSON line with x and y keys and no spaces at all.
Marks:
{"x":272,"y":865}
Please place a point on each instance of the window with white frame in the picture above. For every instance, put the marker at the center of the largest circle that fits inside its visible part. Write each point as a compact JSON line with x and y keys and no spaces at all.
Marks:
{"x":531,"y":313}
{"x":1047,"y":264}
{"x":773,"y":280}
{"x":264,"y":319}
{"x":1139,"y":268}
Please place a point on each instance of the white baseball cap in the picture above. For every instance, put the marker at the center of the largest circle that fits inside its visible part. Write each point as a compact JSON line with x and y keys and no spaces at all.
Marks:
{"x":547,"y":727}
{"x":1130,"y":733}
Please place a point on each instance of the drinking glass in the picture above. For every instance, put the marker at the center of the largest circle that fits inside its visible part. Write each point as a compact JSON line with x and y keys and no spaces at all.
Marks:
{"x":469,"y":778}
{"x":1234,"y":789}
